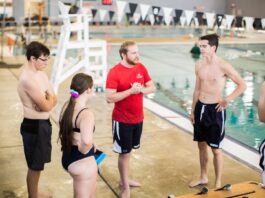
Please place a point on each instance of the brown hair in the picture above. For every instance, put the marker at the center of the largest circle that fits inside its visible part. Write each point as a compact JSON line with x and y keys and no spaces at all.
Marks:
{"x":124,"y":47}
{"x":213,"y":40}
{"x":80,"y":83}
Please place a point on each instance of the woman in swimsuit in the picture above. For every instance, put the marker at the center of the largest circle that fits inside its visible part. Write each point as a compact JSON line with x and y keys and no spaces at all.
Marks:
{"x":76,"y":137}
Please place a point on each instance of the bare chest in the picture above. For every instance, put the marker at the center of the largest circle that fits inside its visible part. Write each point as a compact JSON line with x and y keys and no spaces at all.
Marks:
{"x":211,"y":75}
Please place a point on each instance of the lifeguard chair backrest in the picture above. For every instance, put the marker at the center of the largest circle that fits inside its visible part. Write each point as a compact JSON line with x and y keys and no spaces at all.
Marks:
{"x":64,"y":9}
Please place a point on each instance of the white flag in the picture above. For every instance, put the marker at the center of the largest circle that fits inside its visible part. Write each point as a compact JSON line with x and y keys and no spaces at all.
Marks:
{"x":229,"y":20}
{"x":102,"y":15}
{"x":144,"y":10}
{"x":189,"y":15}
{"x":120,"y":9}
{"x":167,"y":15}
{"x":136,"y":17}
{"x":210,"y":19}
{"x":249,"y":22}
{"x":263,"y":23}
{"x":151,"y":19}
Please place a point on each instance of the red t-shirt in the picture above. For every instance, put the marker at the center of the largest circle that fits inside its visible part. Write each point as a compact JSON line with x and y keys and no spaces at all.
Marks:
{"x":130,"y":109}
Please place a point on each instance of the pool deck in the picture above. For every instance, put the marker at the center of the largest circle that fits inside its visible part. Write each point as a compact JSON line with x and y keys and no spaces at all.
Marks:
{"x":166,"y":162}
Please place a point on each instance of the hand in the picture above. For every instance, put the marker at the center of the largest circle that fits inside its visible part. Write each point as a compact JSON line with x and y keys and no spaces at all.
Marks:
{"x":36,"y":108}
{"x":136,"y":88}
{"x":95,"y":147}
{"x":192,"y":118}
{"x":47,"y":95}
{"x":222,"y":104}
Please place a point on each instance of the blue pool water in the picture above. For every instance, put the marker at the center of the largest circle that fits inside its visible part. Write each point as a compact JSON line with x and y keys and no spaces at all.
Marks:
{"x":172,"y":69}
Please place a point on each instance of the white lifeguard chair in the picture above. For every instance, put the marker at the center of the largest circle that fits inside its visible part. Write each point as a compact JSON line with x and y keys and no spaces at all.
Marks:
{"x":94,"y":52}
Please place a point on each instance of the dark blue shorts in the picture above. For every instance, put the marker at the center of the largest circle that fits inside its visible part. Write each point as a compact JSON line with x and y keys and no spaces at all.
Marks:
{"x":209,"y":124}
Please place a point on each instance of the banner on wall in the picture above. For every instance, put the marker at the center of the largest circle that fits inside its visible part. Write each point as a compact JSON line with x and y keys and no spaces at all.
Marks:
{"x":132,"y":7}
{"x":120,"y":10}
{"x":219,"y":19}
{"x":151,"y":18}
{"x":189,"y":16}
{"x":156,"y":12}
{"x":210,"y":19}
{"x":239,"y":21}
{"x":102,"y":15}
{"x":199,"y":16}
{"x":263,"y":23}
{"x":94,"y":12}
{"x":249,"y":22}
{"x":136,"y":18}
{"x":144,"y":10}
{"x":111,"y":15}
{"x":229,"y":19}
{"x":178,"y":14}
{"x":167,"y":15}
{"x":257,"y":24}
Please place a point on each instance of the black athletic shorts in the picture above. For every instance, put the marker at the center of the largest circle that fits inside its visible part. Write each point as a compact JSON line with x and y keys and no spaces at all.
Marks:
{"x":209,"y":125}
{"x":36,"y":136}
{"x":262,"y":155}
{"x":126,"y":136}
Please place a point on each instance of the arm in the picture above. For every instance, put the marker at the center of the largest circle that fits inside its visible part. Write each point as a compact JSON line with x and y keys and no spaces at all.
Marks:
{"x":148,"y":88}
{"x":196,"y":94}
{"x":87,"y":122}
{"x":44,"y":101}
{"x":261,"y":103}
{"x":113,"y":96}
{"x":237,"y":79}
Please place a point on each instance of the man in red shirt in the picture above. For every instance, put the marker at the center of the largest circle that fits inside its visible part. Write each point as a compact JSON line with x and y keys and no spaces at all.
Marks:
{"x":126,"y":83}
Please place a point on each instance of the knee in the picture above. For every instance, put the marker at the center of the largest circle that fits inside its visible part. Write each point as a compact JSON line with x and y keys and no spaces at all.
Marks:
{"x":217,"y":152}
{"x":202,"y":146}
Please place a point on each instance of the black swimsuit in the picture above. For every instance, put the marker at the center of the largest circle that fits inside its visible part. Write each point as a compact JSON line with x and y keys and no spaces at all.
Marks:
{"x":75,"y":154}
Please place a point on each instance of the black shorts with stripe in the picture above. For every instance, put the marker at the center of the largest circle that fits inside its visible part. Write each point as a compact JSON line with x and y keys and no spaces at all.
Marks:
{"x":209,"y":125}
{"x":126,"y":136}
{"x":262,"y":155}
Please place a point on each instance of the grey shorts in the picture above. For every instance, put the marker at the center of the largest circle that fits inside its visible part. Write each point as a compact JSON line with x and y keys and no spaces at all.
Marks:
{"x":36,"y":135}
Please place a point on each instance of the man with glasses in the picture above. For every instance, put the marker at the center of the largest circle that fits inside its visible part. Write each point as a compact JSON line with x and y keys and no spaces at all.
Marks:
{"x":38,"y":99}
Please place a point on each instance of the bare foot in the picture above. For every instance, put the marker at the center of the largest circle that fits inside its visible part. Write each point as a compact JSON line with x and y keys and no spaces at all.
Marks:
{"x":218,"y":184}
{"x":44,"y":196}
{"x":132,"y":184}
{"x":197,"y":183}
{"x":125,"y":193}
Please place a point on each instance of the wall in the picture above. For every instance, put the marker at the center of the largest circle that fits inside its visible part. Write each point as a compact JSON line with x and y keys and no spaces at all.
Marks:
{"x":217,"y":6}
{"x":253,"y":8}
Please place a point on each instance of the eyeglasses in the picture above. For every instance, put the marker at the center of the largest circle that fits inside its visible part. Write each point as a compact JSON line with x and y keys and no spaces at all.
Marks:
{"x":42,"y":59}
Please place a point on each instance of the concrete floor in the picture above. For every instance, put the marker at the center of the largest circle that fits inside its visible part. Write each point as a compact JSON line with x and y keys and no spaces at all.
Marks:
{"x":166,"y":162}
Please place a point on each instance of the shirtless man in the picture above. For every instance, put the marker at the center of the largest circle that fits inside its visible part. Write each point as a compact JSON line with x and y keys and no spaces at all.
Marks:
{"x":38,"y":99}
{"x":208,"y":107}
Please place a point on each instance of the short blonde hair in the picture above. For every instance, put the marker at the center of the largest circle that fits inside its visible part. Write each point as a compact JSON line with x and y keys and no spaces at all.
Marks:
{"x":124,"y":47}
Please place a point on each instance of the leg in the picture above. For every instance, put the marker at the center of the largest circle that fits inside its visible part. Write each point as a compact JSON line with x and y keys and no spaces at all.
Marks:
{"x":32,"y":183}
{"x":84,"y":173}
{"x":123,"y":165}
{"x":218,"y":165}
{"x":203,"y":153}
